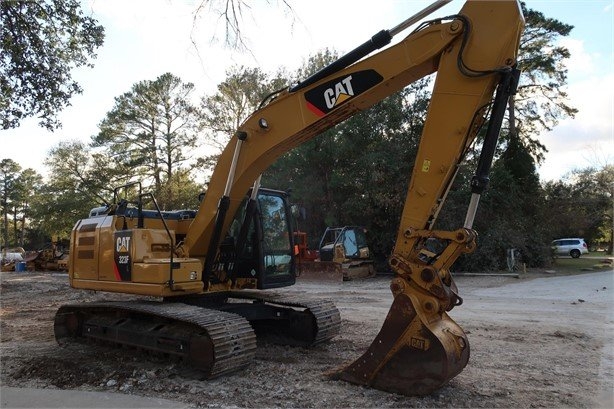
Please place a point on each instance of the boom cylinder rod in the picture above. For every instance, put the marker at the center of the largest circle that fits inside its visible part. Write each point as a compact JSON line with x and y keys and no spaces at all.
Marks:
{"x":472,"y":210}
{"x":255,"y":188}
{"x":418,"y":16}
{"x":378,"y":41}
{"x":222,"y":209}
{"x":250,"y":212}
{"x":233,"y":167}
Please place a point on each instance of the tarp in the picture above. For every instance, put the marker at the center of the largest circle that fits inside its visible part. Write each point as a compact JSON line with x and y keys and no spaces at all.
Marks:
{"x":8,"y":257}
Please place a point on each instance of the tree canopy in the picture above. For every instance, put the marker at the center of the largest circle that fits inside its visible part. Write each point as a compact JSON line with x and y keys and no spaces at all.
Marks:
{"x":231,"y":13}
{"x":150,"y":132}
{"x":540,"y":101}
{"x":356,"y":173}
{"x":19,"y":190}
{"x":41,"y":42}
{"x":236,"y":98}
{"x":580,"y":204}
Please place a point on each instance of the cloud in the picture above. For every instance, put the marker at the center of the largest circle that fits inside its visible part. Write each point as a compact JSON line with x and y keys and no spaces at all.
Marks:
{"x":588,"y":139}
{"x":580,"y":62}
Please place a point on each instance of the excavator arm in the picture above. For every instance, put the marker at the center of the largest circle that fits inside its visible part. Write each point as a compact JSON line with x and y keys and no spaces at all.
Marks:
{"x":419,"y":347}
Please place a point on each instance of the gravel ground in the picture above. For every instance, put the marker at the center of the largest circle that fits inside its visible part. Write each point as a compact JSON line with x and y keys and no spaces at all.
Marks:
{"x":538,"y":341}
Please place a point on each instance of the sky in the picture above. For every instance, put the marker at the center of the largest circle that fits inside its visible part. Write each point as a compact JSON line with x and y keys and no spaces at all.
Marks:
{"x":146,"y":38}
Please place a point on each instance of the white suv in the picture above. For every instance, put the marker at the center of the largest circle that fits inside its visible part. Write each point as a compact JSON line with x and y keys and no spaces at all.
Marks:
{"x":573,"y":247}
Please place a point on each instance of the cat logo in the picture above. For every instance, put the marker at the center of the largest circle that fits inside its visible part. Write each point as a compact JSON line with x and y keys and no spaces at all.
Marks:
{"x":122,"y":244}
{"x":329,"y":95}
{"x":420,"y":343}
{"x":122,"y":267}
{"x":339,"y":93}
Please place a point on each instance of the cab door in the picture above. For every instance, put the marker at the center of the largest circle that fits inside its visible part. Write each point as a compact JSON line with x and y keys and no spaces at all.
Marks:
{"x":275,"y":244}
{"x":261,"y":241}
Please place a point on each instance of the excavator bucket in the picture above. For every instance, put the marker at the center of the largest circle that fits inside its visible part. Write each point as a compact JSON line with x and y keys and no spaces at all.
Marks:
{"x":319,"y":271}
{"x":416,"y":351}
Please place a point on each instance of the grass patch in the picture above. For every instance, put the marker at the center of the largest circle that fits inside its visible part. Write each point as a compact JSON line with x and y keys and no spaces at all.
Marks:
{"x":574,"y":265}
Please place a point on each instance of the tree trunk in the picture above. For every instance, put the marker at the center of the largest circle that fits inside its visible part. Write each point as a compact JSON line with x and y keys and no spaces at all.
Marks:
{"x":5,"y":226}
{"x":23,"y":224}
{"x":154,"y":156}
{"x":169,"y":162}
{"x":15,"y":234}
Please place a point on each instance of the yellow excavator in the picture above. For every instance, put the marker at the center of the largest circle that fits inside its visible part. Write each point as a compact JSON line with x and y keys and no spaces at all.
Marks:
{"x":202,"y":271}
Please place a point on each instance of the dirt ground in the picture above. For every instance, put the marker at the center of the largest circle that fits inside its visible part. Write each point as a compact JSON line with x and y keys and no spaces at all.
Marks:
{"x":537,"y":341}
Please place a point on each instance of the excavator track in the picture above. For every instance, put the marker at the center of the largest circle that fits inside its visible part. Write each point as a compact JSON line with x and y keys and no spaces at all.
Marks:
{"x":213,"y":341}
{"x":276,"y":318}
{"x":326,"y":320}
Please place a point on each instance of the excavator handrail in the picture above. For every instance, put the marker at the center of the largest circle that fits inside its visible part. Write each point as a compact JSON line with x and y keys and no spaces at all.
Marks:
{"x":171,"y":281}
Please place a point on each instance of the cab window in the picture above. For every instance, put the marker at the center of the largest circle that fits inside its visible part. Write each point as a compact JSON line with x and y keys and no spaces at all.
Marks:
{"x":276,"y":241}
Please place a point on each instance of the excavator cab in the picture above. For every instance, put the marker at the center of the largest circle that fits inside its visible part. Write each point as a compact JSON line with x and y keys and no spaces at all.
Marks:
{"x":261,"y":240}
